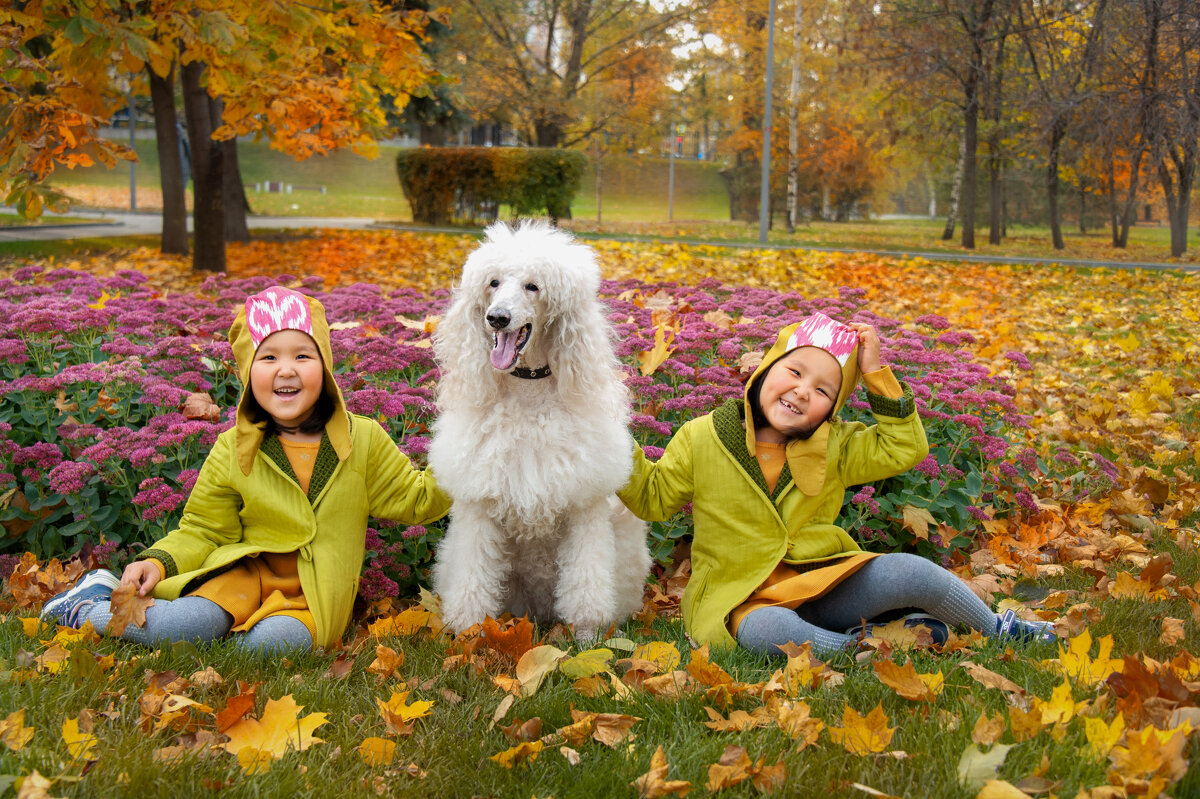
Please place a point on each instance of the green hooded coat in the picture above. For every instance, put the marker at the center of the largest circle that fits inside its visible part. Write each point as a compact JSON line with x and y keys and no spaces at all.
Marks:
{"x":741,"y":531}
{"x":247,"y":500}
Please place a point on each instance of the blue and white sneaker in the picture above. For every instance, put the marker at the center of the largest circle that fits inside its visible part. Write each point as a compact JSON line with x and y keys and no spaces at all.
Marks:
{"x":1011,"y":625}
{"x":937,"y":628}
{"x":64,"y":609}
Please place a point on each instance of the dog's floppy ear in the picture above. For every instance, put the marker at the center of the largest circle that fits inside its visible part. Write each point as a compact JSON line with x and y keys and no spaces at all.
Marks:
{"x":460,"y":344}
{"x":581,"y":353}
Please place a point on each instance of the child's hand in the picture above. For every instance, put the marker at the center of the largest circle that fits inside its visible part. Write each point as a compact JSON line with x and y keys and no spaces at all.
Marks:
{"x":143,"y":574}
{"x":868,"y":347}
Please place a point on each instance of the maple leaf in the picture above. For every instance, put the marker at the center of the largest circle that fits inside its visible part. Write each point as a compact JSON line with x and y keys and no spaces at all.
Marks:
{"x":1103,"y":736}
{"x":77,"y":733}
{"x":237,"y":706}
{"x":917,"y":520}
{"x":127,"y":607}
{"x":399,"y":716}
{"x":199,"y":405}
{"x":1000,"y":789}
{"x":386,"y":663}
{"x":739,"y":720}
{"x":280,"y":728}
{"x":675,"y":684}
{"x":377,"y":751}
{"x":650,"y":360}
{"x":35,"y":786}
{"x":13,"y":732}
{"x":987,"y":729}
{"x":795,"y":719}
{"x":523,"y":730}
{"x":1061,"y":706}
{"x":706,"y":672}
{"x":406,"y":622}
{"x":990,"y":679}
{"x":863,"y":735}
{"x":1172,"y":631}
{"x":1153,"y":752}
{"x":514,"y":641}
{"x":1076,"y":662}
{"x":607,"y":728}
{"x":733,"y":767}
{"x":654,"y":783}
{"x":254,"y":760}
{"x":526,"y":750}
{"x":906,"y":681}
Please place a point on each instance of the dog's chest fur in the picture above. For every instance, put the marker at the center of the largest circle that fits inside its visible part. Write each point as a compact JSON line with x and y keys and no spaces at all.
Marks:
{"x":559,"y":459}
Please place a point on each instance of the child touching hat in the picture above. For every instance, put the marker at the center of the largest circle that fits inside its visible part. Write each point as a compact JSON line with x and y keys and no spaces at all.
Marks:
{"x":766,"y":477}
{"x":272,"y":538}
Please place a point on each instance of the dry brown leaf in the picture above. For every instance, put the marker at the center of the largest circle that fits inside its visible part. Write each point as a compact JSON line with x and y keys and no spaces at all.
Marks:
{"x":127,"y":607}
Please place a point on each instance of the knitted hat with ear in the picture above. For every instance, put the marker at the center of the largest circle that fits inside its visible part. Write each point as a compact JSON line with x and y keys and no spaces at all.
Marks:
{"x":270,"y":311}
{"x":807,"y":458}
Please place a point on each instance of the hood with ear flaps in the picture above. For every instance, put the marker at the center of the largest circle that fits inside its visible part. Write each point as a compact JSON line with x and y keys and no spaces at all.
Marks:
{"x":267,"y":312}
{"x":807,"y":458}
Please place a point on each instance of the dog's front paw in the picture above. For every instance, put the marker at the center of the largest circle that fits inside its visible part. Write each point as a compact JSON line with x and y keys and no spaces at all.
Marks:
{"x":585,"y":635}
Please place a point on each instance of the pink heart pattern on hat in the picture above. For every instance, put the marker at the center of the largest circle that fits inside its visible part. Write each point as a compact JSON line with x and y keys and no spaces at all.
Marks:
{"x":821,"y":331}
{"x":275,"y":309}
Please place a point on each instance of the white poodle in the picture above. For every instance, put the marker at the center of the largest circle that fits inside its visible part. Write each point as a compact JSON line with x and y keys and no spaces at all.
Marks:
{"x":532,"y":441}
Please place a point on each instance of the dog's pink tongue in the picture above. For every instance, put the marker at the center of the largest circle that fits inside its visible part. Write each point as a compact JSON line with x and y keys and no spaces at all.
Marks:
{"x":504,"y":354}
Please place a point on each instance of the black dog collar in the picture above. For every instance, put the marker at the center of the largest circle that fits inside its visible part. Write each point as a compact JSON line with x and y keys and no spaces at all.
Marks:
{"x":531,"y":374}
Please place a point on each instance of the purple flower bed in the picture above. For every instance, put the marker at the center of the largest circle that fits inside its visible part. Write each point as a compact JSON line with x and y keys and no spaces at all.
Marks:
{"x":94,"y":372}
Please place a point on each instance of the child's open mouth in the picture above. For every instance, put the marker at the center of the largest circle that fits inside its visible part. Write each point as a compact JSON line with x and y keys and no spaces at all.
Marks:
{"x":286,"y":393}
{"x":507,"y":346}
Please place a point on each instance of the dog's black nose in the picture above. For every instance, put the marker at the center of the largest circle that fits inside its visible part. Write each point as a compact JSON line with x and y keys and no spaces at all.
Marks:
{"x":499,"y":318}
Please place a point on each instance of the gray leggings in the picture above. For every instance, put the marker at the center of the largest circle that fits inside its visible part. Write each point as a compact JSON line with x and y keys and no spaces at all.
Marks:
{"x":892,"y":582}
{"x":199,"y":620}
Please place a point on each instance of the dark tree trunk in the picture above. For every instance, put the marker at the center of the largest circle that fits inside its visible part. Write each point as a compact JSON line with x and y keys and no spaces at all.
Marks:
{"x":235,"y":202}
{"x":170,"y":164}
{"x":971,"y":139}
{"x":955,"y":190}
{"x":208,"y":160}
{"x":1057,"y":132}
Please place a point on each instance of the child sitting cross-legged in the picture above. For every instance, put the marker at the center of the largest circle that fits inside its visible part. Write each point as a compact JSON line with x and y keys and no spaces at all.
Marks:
{"x":272,"y":538}
{"x":766,"y":477}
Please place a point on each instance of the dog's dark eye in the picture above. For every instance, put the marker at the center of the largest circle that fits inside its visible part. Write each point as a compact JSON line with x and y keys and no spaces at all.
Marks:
{"x":531,"y":287}
{"x":494,"y":283}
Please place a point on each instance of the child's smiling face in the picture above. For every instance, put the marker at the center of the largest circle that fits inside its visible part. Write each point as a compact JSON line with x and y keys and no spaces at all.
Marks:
{"x":286,"y":377}
{"x":798,"y":393}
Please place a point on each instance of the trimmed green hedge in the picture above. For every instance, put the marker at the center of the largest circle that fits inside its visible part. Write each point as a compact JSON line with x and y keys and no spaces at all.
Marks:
{"x":469,"y":184}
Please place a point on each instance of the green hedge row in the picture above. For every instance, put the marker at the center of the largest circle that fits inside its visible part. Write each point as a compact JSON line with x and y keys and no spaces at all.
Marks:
{"x":469,"y":184}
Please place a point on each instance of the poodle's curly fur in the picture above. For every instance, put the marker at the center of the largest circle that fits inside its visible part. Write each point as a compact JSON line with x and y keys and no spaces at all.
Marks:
{"x":532,"y":464}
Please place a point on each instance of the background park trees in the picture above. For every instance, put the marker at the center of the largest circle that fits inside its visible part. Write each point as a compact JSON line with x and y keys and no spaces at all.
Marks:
{"x":1012,"y":111}
{"x":309,"y":78}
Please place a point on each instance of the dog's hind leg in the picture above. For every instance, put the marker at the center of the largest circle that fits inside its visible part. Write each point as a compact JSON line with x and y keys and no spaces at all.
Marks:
{"x":471,"y":570}
{"x":586,"y":594}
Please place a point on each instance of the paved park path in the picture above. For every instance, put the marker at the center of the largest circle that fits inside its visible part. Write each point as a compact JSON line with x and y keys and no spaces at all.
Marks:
{"x":94,"y":224}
